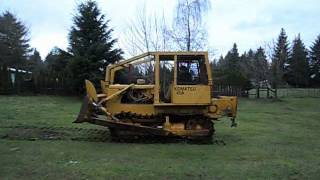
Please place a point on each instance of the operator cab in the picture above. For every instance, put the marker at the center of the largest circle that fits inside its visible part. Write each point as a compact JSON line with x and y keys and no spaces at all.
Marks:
{"x":181,"y":78}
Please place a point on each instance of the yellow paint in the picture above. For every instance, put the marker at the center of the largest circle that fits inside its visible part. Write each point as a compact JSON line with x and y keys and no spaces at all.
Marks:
{"x":91,"y":91}
{"x":185,"y":99}
{"x":191,"y":94}
{"x":223,"y":106}
{"x":143,"y":109}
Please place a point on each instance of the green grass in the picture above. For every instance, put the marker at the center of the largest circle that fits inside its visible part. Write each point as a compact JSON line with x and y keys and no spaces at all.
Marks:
{"x":274,"y":140}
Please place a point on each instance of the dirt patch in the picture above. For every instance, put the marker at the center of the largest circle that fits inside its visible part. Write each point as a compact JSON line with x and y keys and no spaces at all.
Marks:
{"x":32,"y":133}
{"x":54,"y":133}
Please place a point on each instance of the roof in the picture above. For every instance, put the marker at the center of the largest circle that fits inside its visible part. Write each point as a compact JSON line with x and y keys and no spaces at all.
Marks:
{"x":189,"y":53}
{"x":19,"y":70}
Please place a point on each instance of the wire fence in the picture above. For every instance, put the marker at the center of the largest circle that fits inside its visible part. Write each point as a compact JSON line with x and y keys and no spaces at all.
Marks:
{"x":228,"y":90}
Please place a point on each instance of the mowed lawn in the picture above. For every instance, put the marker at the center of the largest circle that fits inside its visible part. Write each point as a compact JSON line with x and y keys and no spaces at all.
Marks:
{"x":273,"y":140}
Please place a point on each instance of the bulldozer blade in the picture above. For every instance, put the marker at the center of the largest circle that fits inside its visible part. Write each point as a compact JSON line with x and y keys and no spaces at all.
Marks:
{"x":91,"y":91}
{"x":84,"y":114}
{"x":84,"y":111}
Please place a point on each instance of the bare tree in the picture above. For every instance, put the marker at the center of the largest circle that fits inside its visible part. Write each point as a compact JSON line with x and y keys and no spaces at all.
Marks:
{"x":146,"y":33}
{"x":273,"y":76}
{"x":268,"y":46}
{"x":188,"y":31}
{"x":150,"y":32}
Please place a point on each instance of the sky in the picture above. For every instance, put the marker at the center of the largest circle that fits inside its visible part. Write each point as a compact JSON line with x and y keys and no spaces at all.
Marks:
{"x":249,"y":23}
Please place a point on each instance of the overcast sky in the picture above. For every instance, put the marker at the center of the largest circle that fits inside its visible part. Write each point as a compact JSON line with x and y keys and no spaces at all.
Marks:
{"x":249,"y":23}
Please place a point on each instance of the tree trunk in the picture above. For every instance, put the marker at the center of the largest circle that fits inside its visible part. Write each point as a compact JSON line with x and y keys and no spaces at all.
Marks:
{"x":189,"y":31}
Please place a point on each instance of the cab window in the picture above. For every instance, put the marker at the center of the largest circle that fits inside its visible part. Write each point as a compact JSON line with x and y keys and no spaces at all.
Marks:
{"x":191,"y":70}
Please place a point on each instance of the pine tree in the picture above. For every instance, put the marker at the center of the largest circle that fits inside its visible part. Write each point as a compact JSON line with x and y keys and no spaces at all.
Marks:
{"x":315,"y":62}
{"x":56,"y":62}
{"x":91,"y":45}
{"x":298,"y":65}
{"x":216,"y":67}
{"x":280,"y":59}
{"x":221,"y":62}
{"x":232,"y":71}
{"x":14,"y":47}
{"x":233,"y":58}
{"x":14,"y":42}
{"x":56,"y":72}
{"x":34,"y":62}
{"x":246,"y":64}
{"x":36,"y":66}
{"x":260,"y":65}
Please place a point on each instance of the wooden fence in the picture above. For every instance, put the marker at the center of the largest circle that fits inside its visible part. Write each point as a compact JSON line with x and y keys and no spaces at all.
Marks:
{"x":228,"y":90}
{"x":288,"y":92}
{"x":21,"y":83}
{"x":45,"y":85}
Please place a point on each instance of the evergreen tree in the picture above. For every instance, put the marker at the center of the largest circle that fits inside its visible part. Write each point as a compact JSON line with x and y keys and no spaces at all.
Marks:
{"x":298,"y":65}
{"x":34,"y":62}
{"x":35,"y":65}
{"x":233,"y":58}
{"x":246,"y":64}
{"x":260,"y":65}
{"x":57,"y":73}
{"x":91,"y":45}
{"x":220,"y":62}
{"x":14,"y":42}
{"x":280,"y":59}
{"x":232,"y":71}
{"x":56,"y":62}
{"x":216,"y":67}
{"x":14,"y":47}
{"x":315,"y":62}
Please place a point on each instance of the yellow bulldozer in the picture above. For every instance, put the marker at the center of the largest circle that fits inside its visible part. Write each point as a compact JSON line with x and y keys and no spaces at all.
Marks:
{"x":158,"y":94}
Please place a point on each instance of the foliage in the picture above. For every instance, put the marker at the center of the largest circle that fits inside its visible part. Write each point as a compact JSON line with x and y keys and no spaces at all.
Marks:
{"x":298,"y":65}
{"x":91,"y":45}
{"x":56,"y":62}
{"x":231,"y":72}
{"x":315,"y":62}
{"x":34,"y":62}
{"x":14,"y":41}
{"x":247,"y":64}
{"x":280,"y":59}
{"x":35,"y":65}
{"x":57,"y":72}
{"x":261,"y":66}
{"x":14,"y":47}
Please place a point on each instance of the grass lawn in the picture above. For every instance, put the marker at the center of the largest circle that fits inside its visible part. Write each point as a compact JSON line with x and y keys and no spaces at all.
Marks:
{"x":273,"y":140}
